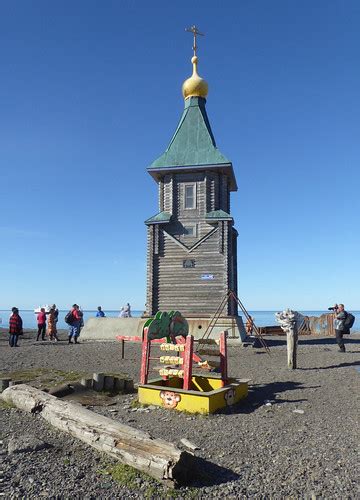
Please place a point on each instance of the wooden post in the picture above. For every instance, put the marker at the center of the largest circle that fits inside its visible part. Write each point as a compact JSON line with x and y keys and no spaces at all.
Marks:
{"x":330,"y":324}
{"x":288,"y":322}
{"x":223,"y":358}
{"x":122,"y":348}
{"x":145,"y":358}
{"x":291,"y":341}
{"x":188,"y":360}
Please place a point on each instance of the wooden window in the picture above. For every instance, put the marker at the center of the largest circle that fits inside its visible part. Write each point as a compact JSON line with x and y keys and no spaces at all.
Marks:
{"x":190,"y":230}
{"x":190,"y":196}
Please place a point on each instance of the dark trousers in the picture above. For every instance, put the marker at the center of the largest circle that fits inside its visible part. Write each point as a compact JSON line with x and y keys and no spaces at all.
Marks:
{"x":339,"y":339}
{"x":13,"y":339}
{"x":41,"y":331}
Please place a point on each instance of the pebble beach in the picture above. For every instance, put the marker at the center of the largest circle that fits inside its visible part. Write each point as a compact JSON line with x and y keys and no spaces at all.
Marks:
{"x":295,"y":436}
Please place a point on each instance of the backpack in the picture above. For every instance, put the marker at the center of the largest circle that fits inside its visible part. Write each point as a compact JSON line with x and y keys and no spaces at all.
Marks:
{"x":349,"y":321}
{"x":69,"y":318}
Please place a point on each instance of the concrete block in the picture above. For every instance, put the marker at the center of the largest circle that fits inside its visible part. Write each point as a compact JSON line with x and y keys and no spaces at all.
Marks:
{"x":110,"y":328}
{"x":129,"y":385}
{"x":61,"y":390}
{"x":98,"y":381}
{"x":87,"y":382}
{"x":119,"y":384}
{"x":4,"y":383}
{"x":15,"y":382}
{"x":109,"y":383}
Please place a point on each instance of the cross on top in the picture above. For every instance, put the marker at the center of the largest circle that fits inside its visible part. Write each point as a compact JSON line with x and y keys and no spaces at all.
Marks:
{"x":195,"y":32}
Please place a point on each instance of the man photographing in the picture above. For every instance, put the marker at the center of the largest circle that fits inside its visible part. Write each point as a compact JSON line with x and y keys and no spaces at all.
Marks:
{"x":340,"y":325}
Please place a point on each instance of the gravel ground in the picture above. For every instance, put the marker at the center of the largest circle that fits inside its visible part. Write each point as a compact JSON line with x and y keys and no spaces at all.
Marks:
{"x":257,"y":449}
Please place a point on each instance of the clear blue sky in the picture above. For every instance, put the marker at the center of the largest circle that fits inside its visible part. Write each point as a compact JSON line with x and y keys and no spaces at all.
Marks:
{"x":90,"y":94}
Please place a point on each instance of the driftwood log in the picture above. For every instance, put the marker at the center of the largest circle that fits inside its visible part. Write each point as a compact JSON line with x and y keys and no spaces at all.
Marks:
{"x":156,"y":457}
{"x":288,"y":320}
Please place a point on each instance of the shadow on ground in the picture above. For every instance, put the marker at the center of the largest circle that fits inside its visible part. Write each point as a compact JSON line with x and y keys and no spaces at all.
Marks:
{"x":207,"y":473}
{"x":303,"y":340}
{"x":326,"y":341}
{"x":331,"y":367}
{"x":259,"y":394}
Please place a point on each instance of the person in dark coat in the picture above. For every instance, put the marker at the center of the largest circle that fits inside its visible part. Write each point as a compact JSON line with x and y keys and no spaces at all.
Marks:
{"x":340,"y":327}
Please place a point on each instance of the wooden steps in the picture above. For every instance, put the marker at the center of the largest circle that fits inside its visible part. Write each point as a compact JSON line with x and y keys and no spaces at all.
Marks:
{"x":209,"y":352}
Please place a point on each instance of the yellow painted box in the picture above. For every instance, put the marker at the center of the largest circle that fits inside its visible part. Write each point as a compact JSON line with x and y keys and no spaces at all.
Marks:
{"x":206,"y":394}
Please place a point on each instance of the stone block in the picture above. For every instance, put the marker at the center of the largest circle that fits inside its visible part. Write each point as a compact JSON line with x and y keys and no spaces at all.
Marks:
{"x":109,"y":383}
{"x":119,"y":384}
{"x":26,"y":444}
{"x":87,"y":382}
{"x":4,"y":383}
{"x":15,"y":382}
{"x":61,"y":390}
{"x":98,"y":381}
{"x":129,"y":385}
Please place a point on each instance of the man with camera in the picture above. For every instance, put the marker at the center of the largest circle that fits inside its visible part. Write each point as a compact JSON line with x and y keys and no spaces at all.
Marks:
{"x":340,"y":324}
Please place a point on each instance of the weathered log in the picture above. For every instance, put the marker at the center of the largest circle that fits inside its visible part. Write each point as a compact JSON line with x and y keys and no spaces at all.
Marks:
{"x":156,"y":457}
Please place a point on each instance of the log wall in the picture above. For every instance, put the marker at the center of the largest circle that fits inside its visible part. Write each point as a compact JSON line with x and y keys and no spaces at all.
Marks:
{"x":170,"y":285}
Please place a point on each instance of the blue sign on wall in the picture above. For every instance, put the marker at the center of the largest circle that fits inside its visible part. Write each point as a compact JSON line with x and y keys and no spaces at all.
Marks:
{"x":207,"y":276}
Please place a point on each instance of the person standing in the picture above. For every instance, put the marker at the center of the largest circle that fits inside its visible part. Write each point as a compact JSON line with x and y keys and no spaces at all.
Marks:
{"x":15,"y":327}
{"x":128,"y":310}
{"x":249,"y":325}
{"x":81,"y":314}
{"x":52,"y":320}
{"x":125,"y":312}
{"x":100,"y":313}
{"x":41,"y":322}
{"x":74,"y":328}
{"x":340,"y":327}
{"x":56,"y":313}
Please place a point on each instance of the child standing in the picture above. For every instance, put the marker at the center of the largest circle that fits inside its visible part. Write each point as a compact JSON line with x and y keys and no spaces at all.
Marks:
{"x":15,"y":327}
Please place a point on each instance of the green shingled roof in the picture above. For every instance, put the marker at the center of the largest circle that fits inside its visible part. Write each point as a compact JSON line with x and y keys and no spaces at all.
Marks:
{"x":193,"y":142}
{"x":218,"y":215}
{"x":159,"y":218}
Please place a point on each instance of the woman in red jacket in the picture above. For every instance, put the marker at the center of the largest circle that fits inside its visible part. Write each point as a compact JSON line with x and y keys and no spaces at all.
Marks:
{"x":15,"y":327}
{"x":41,"y":322}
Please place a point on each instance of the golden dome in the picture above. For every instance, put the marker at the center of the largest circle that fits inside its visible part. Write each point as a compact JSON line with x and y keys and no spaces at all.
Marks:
{"x":194,"y":86}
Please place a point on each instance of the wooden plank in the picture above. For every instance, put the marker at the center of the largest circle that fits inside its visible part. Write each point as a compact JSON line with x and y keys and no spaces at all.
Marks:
{"x":145,"y":354}
{"x":223,"y":358}
{"x":188,"y":360}
{"x":206,"y":341}
{"x":208,"y":352}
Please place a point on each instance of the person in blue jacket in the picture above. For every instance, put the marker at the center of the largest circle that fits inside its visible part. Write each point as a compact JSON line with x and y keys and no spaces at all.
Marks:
{"x":100,"y":313}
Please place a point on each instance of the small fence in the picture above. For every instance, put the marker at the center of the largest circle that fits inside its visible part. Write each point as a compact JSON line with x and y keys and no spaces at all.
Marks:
{"x":311,"y":325}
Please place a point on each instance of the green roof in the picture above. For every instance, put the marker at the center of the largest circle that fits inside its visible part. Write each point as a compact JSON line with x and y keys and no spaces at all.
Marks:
{"x":218,"y":215}
{"x":193,"y":142}
{"x":161,"y":217}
